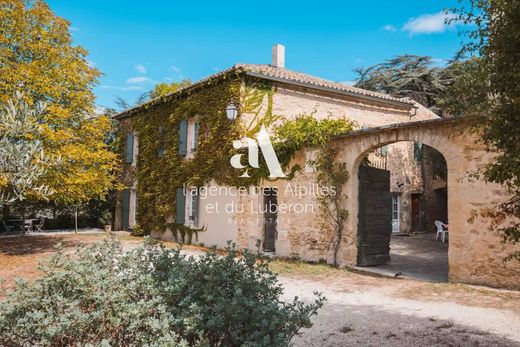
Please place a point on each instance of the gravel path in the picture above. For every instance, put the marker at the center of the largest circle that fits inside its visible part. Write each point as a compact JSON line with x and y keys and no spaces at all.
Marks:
{"x":373,"y":318}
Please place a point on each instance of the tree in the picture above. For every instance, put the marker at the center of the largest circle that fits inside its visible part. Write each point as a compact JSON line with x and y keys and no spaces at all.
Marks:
{"x":406,"y":76}
{"x":22,"y":158}
{"x":494,"y":39}
{"x":37,"y":57}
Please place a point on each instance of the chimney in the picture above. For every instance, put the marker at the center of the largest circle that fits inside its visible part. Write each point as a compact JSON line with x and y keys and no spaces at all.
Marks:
{"x":278,"y":56}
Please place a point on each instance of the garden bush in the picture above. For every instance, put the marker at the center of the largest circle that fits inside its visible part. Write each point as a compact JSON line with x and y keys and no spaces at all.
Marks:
{"x":152,"y":296}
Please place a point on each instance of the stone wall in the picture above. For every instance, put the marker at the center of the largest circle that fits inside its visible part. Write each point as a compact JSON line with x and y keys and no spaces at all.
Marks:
{"x":475,"y":251}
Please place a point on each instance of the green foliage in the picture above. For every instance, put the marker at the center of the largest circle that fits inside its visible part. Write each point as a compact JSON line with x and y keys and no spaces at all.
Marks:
{"x":22,"y":159}
{"x":410,"y":76}
{"x":152,"y":296}
{"x":164,"y":88}
{"x":306,"y":131}
{"x":38,"y":57}
{"x":160,"y":177}
{"x":333,"y":174}
{"x":494,"y":38}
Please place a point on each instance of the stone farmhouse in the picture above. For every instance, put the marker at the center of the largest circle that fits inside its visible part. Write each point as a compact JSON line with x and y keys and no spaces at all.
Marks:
{"x":408,"y":168}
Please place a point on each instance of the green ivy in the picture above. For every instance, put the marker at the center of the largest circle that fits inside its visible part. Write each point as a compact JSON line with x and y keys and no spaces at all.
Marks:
{"x":160,"y":177}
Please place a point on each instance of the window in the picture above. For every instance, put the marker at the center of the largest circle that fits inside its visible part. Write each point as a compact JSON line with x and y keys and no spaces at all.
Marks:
{"x":160,"y":150}
{"x":129,"y":148}
{"x":195,"y":136}
{"x":384,"y":151}
{"x":395,"y":207}
{"x":183,"y":137}
{"x":194,"y":207}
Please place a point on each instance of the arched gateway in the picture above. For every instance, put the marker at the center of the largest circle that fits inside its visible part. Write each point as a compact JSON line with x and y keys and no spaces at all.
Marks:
{"x":475,"y":252}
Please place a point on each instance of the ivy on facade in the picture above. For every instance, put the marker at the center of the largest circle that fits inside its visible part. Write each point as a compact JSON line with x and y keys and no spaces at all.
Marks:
{"x":157,"y":128}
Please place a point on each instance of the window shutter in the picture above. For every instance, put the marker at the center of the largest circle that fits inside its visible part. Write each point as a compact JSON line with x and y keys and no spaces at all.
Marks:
{"x":129,"y":148}
{"x":160,"y":150}
{"x":125,"y":209}
{"x":183,"y":137}
{"x":180,"y":206}
{"x":195,"y":135}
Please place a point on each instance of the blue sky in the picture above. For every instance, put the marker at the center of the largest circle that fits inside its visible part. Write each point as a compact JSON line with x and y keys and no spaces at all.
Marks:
{"x":136,"y":44}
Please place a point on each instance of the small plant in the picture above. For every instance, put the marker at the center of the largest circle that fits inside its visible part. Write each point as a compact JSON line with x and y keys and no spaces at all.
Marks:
{"x":137,"y":230}
{"x":152,"y":296}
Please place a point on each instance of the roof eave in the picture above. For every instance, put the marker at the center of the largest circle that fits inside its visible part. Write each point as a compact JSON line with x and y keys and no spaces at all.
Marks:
{"x":332,"y":90}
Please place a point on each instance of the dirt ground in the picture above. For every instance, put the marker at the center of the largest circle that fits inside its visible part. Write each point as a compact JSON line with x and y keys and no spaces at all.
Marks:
{"x":361,"y":310}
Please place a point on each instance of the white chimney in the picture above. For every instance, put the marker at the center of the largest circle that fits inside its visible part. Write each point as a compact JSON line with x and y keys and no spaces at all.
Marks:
{"x":278,"y":55}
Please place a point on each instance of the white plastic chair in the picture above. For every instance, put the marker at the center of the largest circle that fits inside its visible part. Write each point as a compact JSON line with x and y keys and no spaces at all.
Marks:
{"x":441,"y":230}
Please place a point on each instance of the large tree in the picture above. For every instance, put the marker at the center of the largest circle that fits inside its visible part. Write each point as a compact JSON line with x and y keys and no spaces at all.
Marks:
{"x":494,"y":40}
{"x":38,"y":58}
{"x":411,"y":76}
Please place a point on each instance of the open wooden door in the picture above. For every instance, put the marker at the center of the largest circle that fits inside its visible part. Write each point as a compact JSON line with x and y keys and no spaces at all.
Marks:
{"x":375,"y":216}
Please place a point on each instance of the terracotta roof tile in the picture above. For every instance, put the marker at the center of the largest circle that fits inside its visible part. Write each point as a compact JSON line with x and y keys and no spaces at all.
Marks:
{"x":283,"y":75}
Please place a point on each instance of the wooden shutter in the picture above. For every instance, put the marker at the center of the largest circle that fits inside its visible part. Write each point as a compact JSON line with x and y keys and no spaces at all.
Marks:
{"x":183,"y":137}
{"x":129,"y":148}
{"x":195,"y":135}
{"x":180,"y":206}
{"x":125,"y":209}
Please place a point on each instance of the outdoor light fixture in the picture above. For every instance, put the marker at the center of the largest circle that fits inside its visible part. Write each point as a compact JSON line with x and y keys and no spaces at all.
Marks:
{"x":231,"y":111}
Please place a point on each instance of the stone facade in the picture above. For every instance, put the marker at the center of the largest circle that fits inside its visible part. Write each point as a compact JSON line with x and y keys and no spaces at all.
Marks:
{"x":475,"y":252}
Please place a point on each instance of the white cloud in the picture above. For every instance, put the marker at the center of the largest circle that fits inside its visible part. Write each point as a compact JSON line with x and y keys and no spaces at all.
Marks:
{"x":175,"y":68}
{"x":428,"y":23}
{"x":138,"y":80}
{"x":126,"y":88}
{"x":73,"y":28}
{"x":140,"y":68}
{"x":91,"y":63}
{"x":389,"y":27}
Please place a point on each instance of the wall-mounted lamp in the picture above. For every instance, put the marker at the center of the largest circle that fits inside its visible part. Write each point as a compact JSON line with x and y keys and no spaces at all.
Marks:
{"x":231,"y":111}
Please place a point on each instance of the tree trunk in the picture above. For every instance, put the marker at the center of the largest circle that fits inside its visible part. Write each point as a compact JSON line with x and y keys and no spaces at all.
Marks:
{"x":22,"y":225}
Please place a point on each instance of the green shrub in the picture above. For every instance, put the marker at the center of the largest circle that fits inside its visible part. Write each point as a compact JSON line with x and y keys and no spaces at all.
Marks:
{"x":151,"y":296}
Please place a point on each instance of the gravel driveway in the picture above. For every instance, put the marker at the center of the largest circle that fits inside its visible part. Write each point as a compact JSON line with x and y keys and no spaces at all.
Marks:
{"x":370,"y":317}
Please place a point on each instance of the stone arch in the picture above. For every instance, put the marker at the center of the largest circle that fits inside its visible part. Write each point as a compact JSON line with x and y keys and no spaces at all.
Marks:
{"x":465,"y":197}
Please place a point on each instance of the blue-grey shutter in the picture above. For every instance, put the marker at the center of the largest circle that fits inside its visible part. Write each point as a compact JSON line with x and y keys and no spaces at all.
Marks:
{"x":160,"y":150}
{"x":129,"y":148}
{"x":125,"y":209}
{"x":195,"y":135}
{"x":180,"y":206}
{"x":183,"y":137}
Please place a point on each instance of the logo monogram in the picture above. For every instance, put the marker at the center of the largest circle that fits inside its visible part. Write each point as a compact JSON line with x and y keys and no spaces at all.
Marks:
{"x":266,"y":147}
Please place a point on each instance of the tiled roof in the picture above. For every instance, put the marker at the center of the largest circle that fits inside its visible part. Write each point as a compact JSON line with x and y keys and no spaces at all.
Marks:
{"x":282,"y":75}
{"x":293,"y":76}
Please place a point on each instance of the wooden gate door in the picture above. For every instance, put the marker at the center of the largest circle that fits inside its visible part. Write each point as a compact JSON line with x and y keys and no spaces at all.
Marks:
{"x":270,"y":218}
{"x":375,"y":216}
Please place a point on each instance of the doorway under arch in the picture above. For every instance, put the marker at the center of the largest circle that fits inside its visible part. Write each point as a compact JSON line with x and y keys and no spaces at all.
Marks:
{"x":402,"y":193}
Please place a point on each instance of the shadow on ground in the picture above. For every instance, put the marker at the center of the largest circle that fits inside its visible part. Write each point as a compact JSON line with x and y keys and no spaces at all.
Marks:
{"x":24,"y":245}
{"x":417,"y":256}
